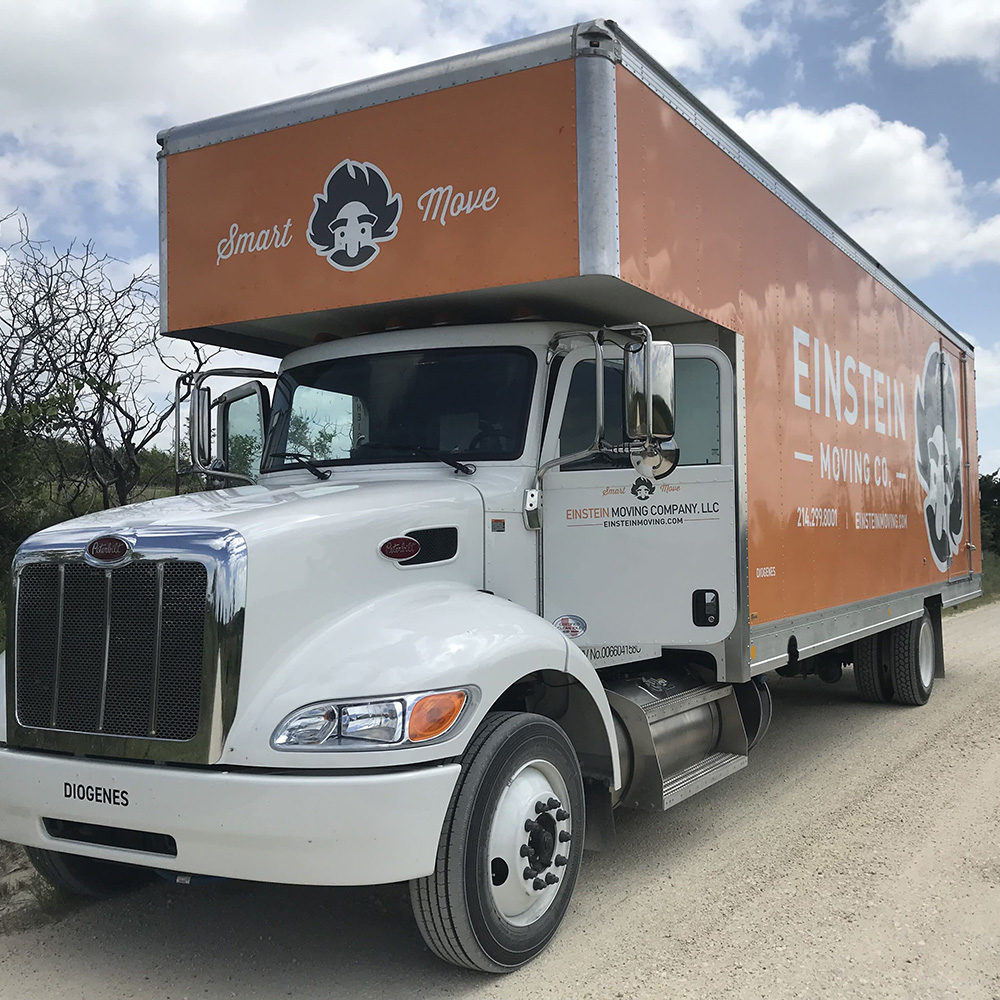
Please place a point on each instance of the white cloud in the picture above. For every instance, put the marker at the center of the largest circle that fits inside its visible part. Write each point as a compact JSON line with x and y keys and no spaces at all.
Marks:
{"x":987,"y":376}
{"x":84,"y":87}
{"x":855,"y":58}
{"x":929,"y":32}
{"x":885,"y":182}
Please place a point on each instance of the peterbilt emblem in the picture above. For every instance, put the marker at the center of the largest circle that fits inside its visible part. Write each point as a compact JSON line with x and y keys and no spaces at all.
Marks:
{"x":108,"y":549}
{"x":400,"y":548}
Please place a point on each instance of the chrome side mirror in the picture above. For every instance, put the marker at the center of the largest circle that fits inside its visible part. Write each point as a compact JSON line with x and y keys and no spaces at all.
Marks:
{"x":200,"y":426}
{"x":649,"y":406}
{"x":649,"y":390}
{"x":242,"y":420}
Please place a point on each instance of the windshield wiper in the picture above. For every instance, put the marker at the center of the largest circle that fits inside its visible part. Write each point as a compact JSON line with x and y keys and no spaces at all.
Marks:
{"x":441,"y":456}
{"x":301,"y":458}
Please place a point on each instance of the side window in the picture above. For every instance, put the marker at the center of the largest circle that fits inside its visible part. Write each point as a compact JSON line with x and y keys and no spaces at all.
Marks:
{"x":325,"y":425}
{"x":698,"y":421}
{"x":577,"y":430}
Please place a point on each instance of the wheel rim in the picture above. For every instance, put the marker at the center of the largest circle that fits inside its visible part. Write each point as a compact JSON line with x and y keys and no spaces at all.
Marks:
{"x":530,"y":843}
{"x":925,"y":654}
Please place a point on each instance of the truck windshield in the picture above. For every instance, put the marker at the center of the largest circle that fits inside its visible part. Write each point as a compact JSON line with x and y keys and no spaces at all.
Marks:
{"x":410,"y":406}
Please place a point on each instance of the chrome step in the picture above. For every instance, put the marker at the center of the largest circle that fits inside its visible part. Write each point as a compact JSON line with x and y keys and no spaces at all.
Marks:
{"x":663,"y":708}
{"x":706,"y":772}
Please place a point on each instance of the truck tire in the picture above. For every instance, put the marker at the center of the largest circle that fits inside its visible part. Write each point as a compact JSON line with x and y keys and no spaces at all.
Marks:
{"x":79,"y":876}
{"x":510,"y":848}
{"x":873,"y":673}
{"x":912,"y":654}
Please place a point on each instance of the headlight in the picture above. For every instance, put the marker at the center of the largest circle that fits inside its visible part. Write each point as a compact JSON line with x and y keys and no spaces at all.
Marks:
{"x":407,"y":720}
{"x":381,"y":721}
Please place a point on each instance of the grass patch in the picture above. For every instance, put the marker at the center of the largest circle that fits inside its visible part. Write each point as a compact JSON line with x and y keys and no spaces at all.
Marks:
{"x":12,"y":858}
{"x":991,"y":585}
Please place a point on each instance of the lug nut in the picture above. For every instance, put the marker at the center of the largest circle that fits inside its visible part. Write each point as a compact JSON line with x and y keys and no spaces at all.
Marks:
{"x":528,"y":873}
{"x":551,"y":879}
{"x":553,"y":804}
{"x":565,"y":836}
{"x":538,"y":883}
{"x":561,"y":861}
{"x":526,"y":851}
{"x":561,"y":814}
{"x":530,"y":826}
{"x":540,"y":806}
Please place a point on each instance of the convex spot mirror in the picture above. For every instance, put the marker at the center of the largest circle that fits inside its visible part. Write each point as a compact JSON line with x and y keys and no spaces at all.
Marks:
{"x":649,"y":391}
{"x":657,"y":460}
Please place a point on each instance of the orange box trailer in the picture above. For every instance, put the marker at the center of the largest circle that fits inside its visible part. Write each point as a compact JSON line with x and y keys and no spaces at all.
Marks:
{"x":570,"y":177}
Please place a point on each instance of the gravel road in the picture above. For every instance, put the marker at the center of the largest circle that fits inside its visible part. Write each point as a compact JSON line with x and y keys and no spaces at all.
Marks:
{"x":856,"y":857}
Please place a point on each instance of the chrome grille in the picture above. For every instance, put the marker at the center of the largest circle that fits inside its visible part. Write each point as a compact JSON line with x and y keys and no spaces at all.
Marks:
{"x":117,"y":652}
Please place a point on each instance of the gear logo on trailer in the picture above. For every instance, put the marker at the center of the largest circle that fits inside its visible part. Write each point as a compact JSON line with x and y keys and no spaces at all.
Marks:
{"x":355,"y":213}
{"x":938,"y":455}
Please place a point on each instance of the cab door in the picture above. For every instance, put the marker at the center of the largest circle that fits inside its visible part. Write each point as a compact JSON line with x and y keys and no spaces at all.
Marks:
{"x":631,"y":565}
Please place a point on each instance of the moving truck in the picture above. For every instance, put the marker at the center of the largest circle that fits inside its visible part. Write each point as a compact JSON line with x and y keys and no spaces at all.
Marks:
{"x":585,"y":420}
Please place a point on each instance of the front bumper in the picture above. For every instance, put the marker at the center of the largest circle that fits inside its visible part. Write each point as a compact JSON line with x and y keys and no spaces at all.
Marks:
{"x":304,"y":828}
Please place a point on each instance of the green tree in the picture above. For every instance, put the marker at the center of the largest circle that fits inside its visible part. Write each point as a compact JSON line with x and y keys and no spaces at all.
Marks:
{"x":989,"y":506}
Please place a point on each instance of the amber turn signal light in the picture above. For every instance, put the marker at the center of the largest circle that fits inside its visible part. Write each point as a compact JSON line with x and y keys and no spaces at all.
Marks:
{"x":434,"y":714}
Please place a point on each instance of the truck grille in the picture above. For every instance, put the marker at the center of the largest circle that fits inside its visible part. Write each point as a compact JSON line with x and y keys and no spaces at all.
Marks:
{"x":118,"y":652}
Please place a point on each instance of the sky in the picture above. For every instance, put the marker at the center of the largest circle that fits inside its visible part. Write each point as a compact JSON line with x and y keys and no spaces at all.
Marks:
{"x":886,"y":115}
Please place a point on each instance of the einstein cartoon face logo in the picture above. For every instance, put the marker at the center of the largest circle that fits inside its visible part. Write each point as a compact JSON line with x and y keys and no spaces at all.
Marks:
{"x":355,"y":212}
{"x":939,"y":456}
{"x":643,"y":488}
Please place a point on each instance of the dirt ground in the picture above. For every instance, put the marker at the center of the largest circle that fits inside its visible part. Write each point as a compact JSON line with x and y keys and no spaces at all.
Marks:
{"x":858,"y":856}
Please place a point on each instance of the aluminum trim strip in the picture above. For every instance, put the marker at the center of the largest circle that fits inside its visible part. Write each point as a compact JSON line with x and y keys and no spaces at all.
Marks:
{"x":735,"y":665}
{"x":597,"y":167}
{"x":641,"y":65}
{"x":829,"y":628}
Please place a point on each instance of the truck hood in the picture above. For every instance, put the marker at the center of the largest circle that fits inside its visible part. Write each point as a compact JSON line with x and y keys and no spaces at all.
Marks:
{"x":261,"y":512}
{"x":312,"y":553}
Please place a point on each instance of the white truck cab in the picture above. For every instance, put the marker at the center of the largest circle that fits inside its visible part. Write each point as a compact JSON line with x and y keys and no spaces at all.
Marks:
{"x":376,"y":605}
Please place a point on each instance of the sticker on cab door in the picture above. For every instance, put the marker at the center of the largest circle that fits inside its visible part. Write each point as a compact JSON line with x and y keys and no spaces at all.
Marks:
{"x":571,"y":626}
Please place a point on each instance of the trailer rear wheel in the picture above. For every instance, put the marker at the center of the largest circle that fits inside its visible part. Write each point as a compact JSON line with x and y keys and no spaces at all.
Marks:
{"x":79,"y":876}
{"x":510,"y":849}
{"x":873,"y":673}
{"x":911,"y":649}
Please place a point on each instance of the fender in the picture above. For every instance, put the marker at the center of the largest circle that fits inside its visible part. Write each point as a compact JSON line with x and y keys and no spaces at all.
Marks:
{"x":426,"y":636}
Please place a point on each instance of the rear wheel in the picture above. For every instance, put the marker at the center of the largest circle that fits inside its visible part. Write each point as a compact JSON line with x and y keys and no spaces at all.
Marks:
{"x":510,"y":849}
{"x":873,"y":673}
{"x":911,"y":648}
{"x":79,"y":876}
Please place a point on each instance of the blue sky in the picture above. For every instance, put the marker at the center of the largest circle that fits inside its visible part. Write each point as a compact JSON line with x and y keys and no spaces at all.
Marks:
{"x":886,"y":115}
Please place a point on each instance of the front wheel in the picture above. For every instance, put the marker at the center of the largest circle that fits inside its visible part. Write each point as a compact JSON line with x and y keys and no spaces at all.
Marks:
{"x":80,"y":876}
{"x":510,"y":849}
